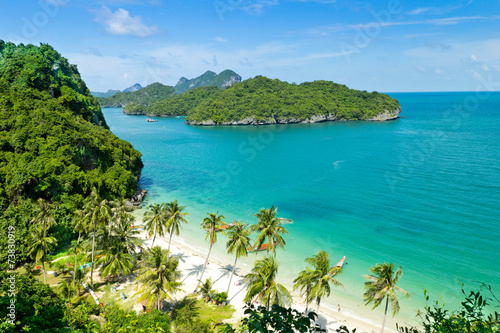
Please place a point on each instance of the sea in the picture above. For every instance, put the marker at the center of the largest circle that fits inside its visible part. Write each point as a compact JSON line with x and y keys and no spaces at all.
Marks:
{"x":421,"y":191}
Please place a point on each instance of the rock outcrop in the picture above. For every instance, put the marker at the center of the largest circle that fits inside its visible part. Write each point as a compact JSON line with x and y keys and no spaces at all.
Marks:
{"x":386,"y":115}
{"x":137,"y":198}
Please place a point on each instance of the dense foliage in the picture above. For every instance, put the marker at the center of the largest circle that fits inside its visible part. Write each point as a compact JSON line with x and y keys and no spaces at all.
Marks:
{"x":54,"y":142}
{"x":180,"y":105}
{"x":145,"y":96}
{"x":264,"y":99}
{"x":209,"y":78}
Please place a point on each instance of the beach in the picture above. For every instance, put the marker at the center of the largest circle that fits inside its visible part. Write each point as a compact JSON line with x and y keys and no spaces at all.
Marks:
{"x":191,"y":263}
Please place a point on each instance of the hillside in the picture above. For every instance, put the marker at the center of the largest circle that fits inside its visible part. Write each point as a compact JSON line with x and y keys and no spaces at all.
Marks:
{"x":209,"y":78}
{"x":54,"y":141}
{"x":144,"y":96}
{"x":261,"y":101}
{"x":108,"y":93}
{"x":178,"y":105}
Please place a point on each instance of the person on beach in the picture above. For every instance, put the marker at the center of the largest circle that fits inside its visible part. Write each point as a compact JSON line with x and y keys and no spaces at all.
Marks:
{"x":339,"y":307}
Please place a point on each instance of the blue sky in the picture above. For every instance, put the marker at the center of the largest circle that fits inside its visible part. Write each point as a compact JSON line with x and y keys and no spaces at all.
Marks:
{"x":386,"y":46}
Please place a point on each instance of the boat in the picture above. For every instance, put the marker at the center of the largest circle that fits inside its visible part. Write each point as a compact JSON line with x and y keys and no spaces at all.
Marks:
{"x":263,"y":247}
{"x":340,"y":263}
{"x":223,"y":227}
{"x":150,"y":120}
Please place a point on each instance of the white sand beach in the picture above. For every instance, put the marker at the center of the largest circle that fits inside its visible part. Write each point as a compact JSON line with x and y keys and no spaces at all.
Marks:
{"x":191,"y":264}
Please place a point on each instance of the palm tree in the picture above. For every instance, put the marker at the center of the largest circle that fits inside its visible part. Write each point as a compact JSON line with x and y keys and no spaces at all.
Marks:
{"x":158,"y":277}
{"x":206,"y":288}
{"x":175,"y":215}
{"x":238,"y":241}
{"x":114,"y":260}
{"x":123,"y":232}
{"x":98,"y":214}
{"x":155,"y":220}
{"x":270,"y":228}
{"x":212,"y":224}
{"x":67,"y":290}
{"x":39,"y":246}
{"x":43,"y":214}
{"x":305,"y":282}
{"x":262,"y":283}
{"x":80,"y":225}
{"x":322,"y":275}
{"x":382,"y":284}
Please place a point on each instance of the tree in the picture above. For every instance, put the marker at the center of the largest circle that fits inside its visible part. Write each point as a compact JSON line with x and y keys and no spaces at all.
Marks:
{"x":381,"y":285}
{"x":305,"y":282}
{"x":80,"y":225}
{"x":67,"y":290}
{"x":262,"y":284}
{"x":322,"y":275}
{"x":238,"y":242}
{"x":175,"y":215}
{"x":99,"y":213}
{"x":40,"y":244}
{"x":155,"y":220}
{"x":158,"y":277}
{"x":270,"y":228}
{"x":212,"y":224}
{"x":43,"y":215}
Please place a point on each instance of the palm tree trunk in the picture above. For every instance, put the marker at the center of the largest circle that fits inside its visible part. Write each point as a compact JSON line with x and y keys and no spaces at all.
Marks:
{"x":385,"y":313}
{"x":44,"y":276}
{"x":76,"y":254}
{"x":154,"y":237}
{"x":232,"y":272}
{"x":205,"y":266}
{"x":319,"y":301}
{"x":170,"y":242}
{"x":92,"y":263}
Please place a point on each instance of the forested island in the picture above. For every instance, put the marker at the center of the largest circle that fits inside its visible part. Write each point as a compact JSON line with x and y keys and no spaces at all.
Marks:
{"x":260,"y":101}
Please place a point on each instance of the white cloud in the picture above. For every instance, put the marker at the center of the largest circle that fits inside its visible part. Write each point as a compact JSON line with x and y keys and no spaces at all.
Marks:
{"x":122,"y":23}
{"x":419,"y":11}
{"x":220,"y":40}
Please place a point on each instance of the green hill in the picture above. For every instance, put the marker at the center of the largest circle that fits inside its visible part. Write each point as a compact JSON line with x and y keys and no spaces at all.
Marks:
{"x":264,"y":101}
{"x":178,"y":105}
{"x":54,"y":142}
{"x":144,"y":96}
{"x":108,"y":93}
{"x":224,"y":79}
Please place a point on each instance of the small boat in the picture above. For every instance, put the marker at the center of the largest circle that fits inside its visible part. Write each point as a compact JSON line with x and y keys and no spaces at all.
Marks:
{"x":150,"y":120}
{"x":263,"y":247}
{"x":340,"y":263}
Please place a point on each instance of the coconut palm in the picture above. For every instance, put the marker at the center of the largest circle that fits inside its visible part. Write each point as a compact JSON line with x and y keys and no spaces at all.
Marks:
{"x":305,"y":282}
{"x":262,"y":284}
{"x":67,"y":290}
{"x":40,"y":244}
{"x":123,"y":232}
{"x":175,"y":215}
{"x":43,"y":214}
{"x":155,"y":220}
{"x":115,"y":260}
{"x":80,"y":225}
{"x":238,"y":242}
{"x":207,"y":287}
{"x":269,"y":227}
{"x":323,"y":275}
{"x":382,"y":284}
{"x":158,"y":277}
{"x":212,"y":224}
{"x":98,"y":214}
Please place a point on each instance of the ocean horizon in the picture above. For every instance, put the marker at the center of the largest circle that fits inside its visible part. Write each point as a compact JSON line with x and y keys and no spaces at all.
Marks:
{"x":421,"y":191}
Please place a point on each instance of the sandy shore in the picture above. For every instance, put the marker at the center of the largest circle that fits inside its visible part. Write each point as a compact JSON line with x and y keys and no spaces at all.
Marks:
{"x":191,"y":264}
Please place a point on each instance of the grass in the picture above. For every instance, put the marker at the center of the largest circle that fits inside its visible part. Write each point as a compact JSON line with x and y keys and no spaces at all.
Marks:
{"x":213,"y":313}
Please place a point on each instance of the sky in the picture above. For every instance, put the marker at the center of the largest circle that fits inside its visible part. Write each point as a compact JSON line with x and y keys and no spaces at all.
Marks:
{"x":386,"y":45}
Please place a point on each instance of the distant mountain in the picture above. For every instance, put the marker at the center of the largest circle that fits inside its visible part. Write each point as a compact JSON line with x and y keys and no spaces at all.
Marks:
{"x":144,"y":96}
{"x":135,"y":87}
{"x":225,"y":79}
{"x":108,"y":93}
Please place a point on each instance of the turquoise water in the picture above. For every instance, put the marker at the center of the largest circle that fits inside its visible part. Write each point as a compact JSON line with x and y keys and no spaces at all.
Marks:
{"x":423,"y":191}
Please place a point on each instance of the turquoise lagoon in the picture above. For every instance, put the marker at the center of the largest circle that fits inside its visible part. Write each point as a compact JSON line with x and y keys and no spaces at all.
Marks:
{"x":422,"y":191}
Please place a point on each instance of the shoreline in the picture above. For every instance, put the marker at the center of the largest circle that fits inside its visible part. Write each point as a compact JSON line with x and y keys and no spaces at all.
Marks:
{"x":191,"y":264}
